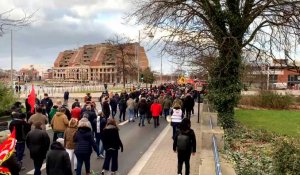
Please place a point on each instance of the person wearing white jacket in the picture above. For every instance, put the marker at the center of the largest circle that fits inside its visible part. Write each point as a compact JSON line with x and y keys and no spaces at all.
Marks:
{"x":176,"y":118}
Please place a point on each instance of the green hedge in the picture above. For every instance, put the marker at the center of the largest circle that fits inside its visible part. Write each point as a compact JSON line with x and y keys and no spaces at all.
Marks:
{"x":268,"y":99}
{"x":7,"y":99}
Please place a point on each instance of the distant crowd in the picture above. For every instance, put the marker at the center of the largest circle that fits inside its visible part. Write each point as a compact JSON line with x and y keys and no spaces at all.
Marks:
{"x":81,"y":128}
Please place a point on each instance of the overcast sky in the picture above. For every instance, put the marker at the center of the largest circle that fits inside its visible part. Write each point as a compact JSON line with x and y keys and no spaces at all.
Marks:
{"x":66,"y":24}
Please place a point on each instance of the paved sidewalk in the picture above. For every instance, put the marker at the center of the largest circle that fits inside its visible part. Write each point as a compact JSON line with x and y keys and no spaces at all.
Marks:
{"x":163,"y":161}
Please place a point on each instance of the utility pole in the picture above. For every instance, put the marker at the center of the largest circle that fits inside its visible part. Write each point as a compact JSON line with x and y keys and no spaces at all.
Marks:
{"x":11,"y":59}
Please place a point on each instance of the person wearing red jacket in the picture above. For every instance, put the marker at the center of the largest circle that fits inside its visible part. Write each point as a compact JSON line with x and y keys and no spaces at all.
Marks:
{"x":156,"y":110}
{"x":75,"y":113}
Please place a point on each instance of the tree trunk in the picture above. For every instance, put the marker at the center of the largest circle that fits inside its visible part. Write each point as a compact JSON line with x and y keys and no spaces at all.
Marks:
{"x":225,"y":84}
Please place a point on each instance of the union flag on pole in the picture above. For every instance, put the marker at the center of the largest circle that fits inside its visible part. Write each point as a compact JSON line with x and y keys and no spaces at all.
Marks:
{"x":6,"y":150}
{"x":31,"y":99}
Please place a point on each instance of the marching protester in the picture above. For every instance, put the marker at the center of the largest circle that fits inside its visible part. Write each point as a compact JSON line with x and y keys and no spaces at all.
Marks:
{"x":156,"y":110}
{"x":98,"y":125}
{"x":113,"y":105}
{"x":38,"y":143}
{"x":112,"y":143}
{"x":22,"y":129}
{"x":105,"y":107}
{"x":57,"y":160}
{"x":59,"y":124}
{"x":142,"y":109}
{"x":184,"y":144}
{"x":130,"y":107}
{"x":84,"y":143}
{"x":38,"y":117}
{"x":122,"y":108}
{"x":46,"y":104}
{"x":176,"y":118}
{"x":69,"y":143}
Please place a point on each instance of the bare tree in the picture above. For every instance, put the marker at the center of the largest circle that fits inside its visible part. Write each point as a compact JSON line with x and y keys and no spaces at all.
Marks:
{"x":123,"y":51}
{"x":229,"y":27}
{"x":7,"y":22}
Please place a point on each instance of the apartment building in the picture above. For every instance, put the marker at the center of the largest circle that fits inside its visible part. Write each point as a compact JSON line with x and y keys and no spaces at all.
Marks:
{"x":99,"y":63}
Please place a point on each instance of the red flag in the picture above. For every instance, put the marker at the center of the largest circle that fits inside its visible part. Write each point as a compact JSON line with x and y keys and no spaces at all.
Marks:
{"x":31,"y":99}
{"x":6,"y":150}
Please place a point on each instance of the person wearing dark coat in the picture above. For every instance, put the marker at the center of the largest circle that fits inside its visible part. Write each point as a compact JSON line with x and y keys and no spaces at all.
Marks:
{"x":98,"y":126}
{"x":38,"y":143}
{"x":113,"y":104}
{"x":122,"y":108}
{"x":105,"y":107}
{"x":89,"y":114}
{"x":84,"y":145}
{"x":58,"y":161}
{"x":184,"y":144}
{"x":112,"y":143}
{"x":66,"y":97}
{"x":76,"y":103}
{"x":22,"y":129}
{"x":47,"y":103}
{"x":188,"y":104}
{"x":142,"y":109}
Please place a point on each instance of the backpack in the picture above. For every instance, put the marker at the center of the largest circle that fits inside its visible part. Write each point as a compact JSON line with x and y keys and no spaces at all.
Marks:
{"x":183,"y":142}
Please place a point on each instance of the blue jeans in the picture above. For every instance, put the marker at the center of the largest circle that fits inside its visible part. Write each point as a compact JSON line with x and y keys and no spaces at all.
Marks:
{"x":20,"y":147}
{"x":142,"y":119}
{"x":113,"y":112}
{"x":38,"y":162}
{"x":166,"y":112}
{"x":80,"y":159}
{"x":131,"y":114}
{"x":113,"y":156}
{"x":175,"y":126}
{"x":99,"y":144}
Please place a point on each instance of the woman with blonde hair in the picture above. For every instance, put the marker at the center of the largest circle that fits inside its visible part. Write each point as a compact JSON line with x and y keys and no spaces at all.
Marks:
{"x":69,"y":140}
{"x":112,"y":143}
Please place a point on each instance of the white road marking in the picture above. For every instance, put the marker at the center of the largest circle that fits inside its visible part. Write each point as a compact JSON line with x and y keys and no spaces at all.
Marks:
{"x":32,"y":171}
{"x":123,"y":123}
{"x":136,"y":170}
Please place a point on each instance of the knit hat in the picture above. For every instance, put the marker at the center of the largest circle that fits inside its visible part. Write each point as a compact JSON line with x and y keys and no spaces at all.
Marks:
{"x":61,"y":141}
{"x":84,"y":122}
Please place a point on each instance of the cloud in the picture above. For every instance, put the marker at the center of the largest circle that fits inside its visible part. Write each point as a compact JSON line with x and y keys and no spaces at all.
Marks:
{"x":63,"y":24}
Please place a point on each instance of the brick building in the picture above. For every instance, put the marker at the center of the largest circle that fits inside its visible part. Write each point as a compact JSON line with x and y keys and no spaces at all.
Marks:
{"x":98,"y":63}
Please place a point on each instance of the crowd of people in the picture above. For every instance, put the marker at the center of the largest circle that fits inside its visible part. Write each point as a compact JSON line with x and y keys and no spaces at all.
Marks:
{"x":84,"y":128}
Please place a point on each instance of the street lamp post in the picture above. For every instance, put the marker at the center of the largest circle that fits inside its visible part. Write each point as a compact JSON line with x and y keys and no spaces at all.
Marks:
{"x":11,"y":59}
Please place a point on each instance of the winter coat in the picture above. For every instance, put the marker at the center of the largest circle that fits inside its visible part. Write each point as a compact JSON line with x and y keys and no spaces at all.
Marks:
{"x":22,"y":129}
{"x":106,"y":109}
{"x":111,"y":138}
{"x":113,"y":104}
{"x":52,"y":113}
{"x":91,"y":115}
{"x":188,"y":103}
{"x":38,"y":143}
{"x":58,"y":161}
{"x":156,"y":109}
{"x":167,"y":103}
{"x":66,"y":95}
{"x":102,"y":125}
{"x":38,"y":117}
{"x":69,"y":137}
{"x":192,"y":144}
{"x":122,"y":104}
{"x":84,"y":141}
{"x":59,"y":122}
{"x":130,"y":103}
{"x":75,"y":113}
{"x":12,"y":165}
{"x":142,"y":107}
{"x":47,"y":102}
{"x":76,"y":103}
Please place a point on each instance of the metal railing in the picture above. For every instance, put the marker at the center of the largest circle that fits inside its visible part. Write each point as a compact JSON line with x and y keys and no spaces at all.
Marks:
{"x":215,"y":149}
